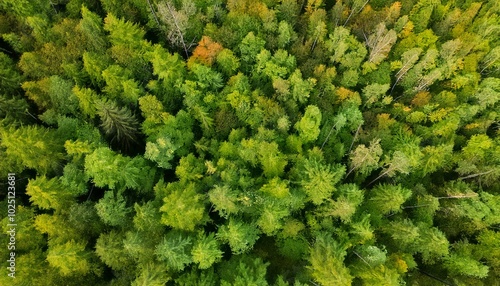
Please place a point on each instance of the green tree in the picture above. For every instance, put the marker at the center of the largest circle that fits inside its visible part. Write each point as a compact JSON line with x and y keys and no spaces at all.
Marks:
{"x":374,"y":94}
{"x":463,"y":265}
{"x":250,"y":46}
{"x":326,"y":261}
{"x":124,"y":33}
{"x":345,"y":49}
{"x":346,"y":204}
{"x":385,"y":198}
{"x":152,"y":275}
{"x":28,"y":238}
{"x":206,"y":251}
{"x":108,"y":169}
{"x":183,"y":207}
{"x":196,"y":277}
{"x":162,"y":152}
{"x":10,"y":78}
{"x":70,"y":258}
{"x":50,"y":193}
{"x":408,"y":59}
{"x":400,"y":162}
{"x":113,"y":209}
{"x":319,"y":180}
{"x":32,"y":147}
{"x":421,"y":13}
{"x":91,"y":25}
{"x":240,"y":235}
{"x":244,"y":270}
{"x":224,"y":200}
{"x":300,"y":88}
{"x":308,"y":126}
{"x":119,"y":84}
{"x":117,"y":123}
{"x":175,"y":250}
{"x":13,"y":110}
{"x":109,"y":248}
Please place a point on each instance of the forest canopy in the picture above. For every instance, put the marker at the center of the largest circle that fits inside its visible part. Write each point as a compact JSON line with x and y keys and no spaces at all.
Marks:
{"x":250,"y":142}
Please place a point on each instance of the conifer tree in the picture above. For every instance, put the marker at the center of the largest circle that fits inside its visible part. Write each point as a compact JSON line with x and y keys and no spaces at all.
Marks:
{"x":117,"y":123}
{"x":183,"y":208}
{"x":33,"y":147}
{"x":109,"y":248}
{"x":175,"y":251}
{"x":70,"y":258}
{"x":113,"y":210}
{"x":326,"y":261}
{"x":240,"y":236}
{"x":206,"y":251}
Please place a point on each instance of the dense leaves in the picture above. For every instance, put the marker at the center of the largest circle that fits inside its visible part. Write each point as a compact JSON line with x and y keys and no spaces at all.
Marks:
{"x":240,"y":142}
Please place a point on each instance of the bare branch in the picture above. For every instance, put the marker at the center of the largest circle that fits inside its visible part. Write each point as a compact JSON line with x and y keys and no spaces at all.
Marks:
{"x":461,"y":196}
{"x":354,"y":139}
{"x":360,"y":257}
{"x":476,"y":175}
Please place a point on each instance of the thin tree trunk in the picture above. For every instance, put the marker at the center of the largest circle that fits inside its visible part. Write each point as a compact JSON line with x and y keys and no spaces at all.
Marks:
{"x":178,"y":28}
{"x":153,"y":12}
{"x":380,"y":176}
{"x":352,"y":12}
{"x":475,"y":175}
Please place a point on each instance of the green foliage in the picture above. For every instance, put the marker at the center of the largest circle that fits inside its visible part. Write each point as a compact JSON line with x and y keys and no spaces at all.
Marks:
{"x":151,"y":275}
{"x":374,"y":93}
{"x":32,"y":147}
{"x":109,"y":248}
{"x":28,"y":238}
{"x":385,"y":199}
{"x":244,"y":270}
{"x":380,"y":43}
{"x":320,"y":179}
{"x":69,"y":258}
{"x":162,"y":152}
{"x":308,"y":126}
{"x":120,"y":86}
{"x":108,"y":169}
{"x":345,"y":49}
{"x":91,"y":26}
{"x":346,"y":204}
{"x":183,"y":208}
{"x":169,"y":68}
{"x":242,"y":142}
{"x":224,"y":200}
{"x":123,"y":32}
{"x":117,"y":123}
{"x":372,"y":255}
{"x":10,"y":78}
{"x":250,"y":46}
{"x":49,"y":193}
{"x":194,"y":277}
{"x":13,"y":111}
{"x":206,"y":251}
{"x":365,"y":159}
{"x":228,"y":62}
{"x":267,"y":154}
{"x":175,"y":251}
{"x":240,"y":235}
{"x":326,"y":261}
{"x":464,"y":265}
{"x":113,"y":210}
{"x":300,"y":88}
